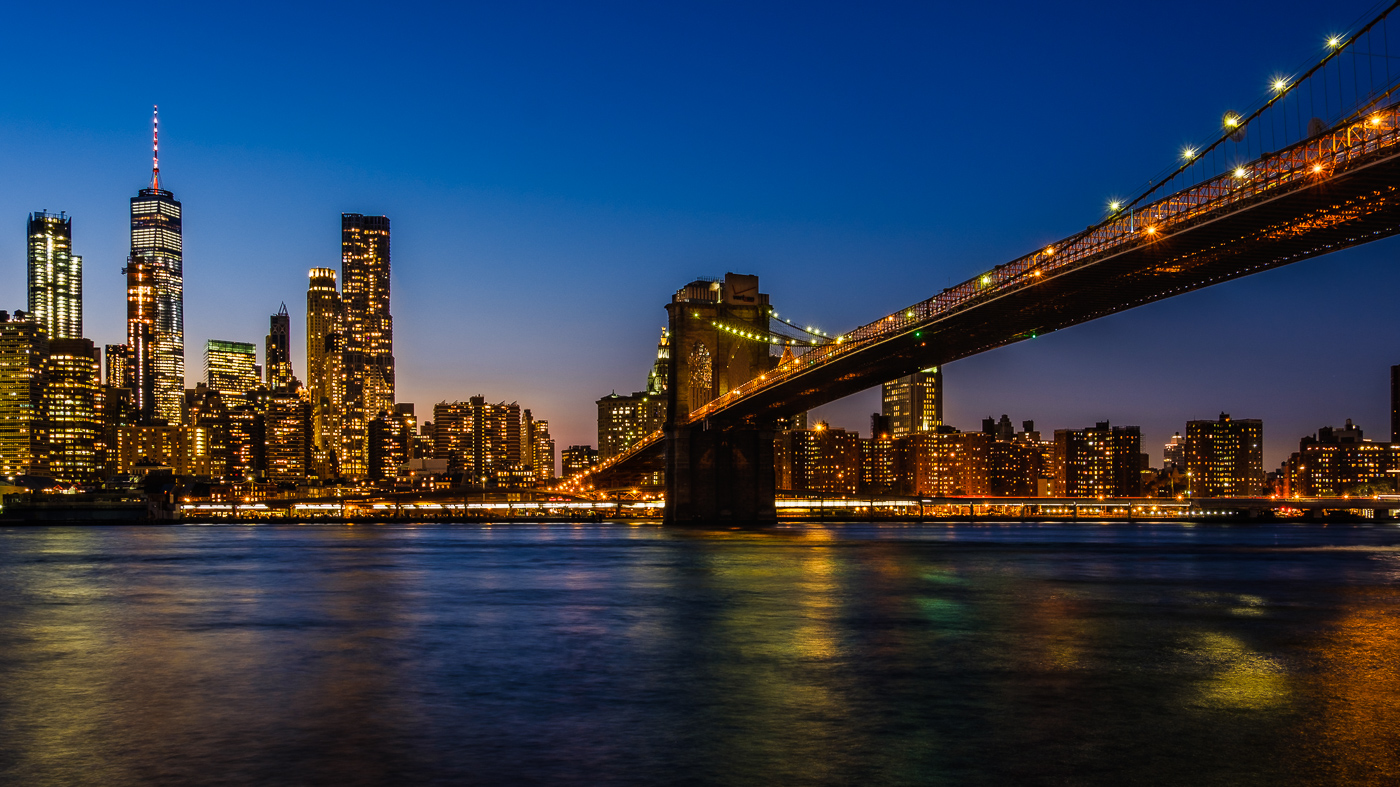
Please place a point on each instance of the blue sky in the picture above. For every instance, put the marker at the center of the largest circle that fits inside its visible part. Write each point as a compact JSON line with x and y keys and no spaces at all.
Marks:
{"x":555,"y":171}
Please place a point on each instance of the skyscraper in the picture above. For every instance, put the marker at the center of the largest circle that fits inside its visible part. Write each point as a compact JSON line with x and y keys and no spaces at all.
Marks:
{"x":278,"y":357}
{"x":322,"y":343}
{"x":55,"y":276}
{"x":230,"y":367}
{"x":156,"y":246}
{"x":914,"y":403}
{"x":367,"y":352}
{"x":24,"y":345}
{"x":71,"y":423}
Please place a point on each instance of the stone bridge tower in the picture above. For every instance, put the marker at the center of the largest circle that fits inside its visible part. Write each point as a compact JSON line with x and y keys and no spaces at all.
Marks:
{"x":717,"y":474}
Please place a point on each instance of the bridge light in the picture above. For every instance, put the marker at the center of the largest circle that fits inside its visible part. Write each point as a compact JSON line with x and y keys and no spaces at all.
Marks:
{"x":1035,"y":273}
{"x":1334,"y":41}
{"x":1049,"y":250}
{"x":1151,"y":230}
{"x":1240,"y":172}
{"x":1188,"y":152}
{"x":1375,"y":120}
{"x":1232,"y":121}
{"x":1115,"y":206}
{"x":1316,"y":168}
{"x":909,"y":314}
{"x":986,"y":279}
{"x":1280,"y":84}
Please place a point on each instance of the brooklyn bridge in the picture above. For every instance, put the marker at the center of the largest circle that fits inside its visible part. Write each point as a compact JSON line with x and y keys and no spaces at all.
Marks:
{"x":1312,"y":169}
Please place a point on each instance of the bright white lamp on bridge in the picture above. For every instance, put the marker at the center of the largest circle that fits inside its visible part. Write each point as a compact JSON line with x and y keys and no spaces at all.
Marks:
{"x":1240,"y":172}
{"x":1188,"y":153}
{"x":1115,"y":206}
{"x":1334,"y":41}
{"x":1316,"y":168}
{"x":1280,"y":83}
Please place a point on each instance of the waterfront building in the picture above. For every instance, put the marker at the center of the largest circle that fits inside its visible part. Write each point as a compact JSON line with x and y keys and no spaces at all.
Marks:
{"x":24,"y":345}
{"x":537,"y":447}
{"x":624,"y":420}
{"x":286,"y":438}
{"x":390,"y":443}
{"x":70,"y":410}
{"x":114,"y":411}
{"x":879,"y":459}
{"x":477,"y":438}
{"x":945,"y":462}
{"x":818,"y":461}
{"x":277,"y":353}
{"x":423,"y":441}
{"x":230,"y":367}
{"x":323,"y":378}
{"x":578,"y":459}
{"x":1225,"y":458}
{"x":159,"y":302}
{"x":1337,"y":462}
{"x":367,"y":349}
{"x":914,"y":403}
{"x":55,"y":276}
{"x":184,"y":449}
{"x":1100,"y":462}
{"x":1014,"y":467}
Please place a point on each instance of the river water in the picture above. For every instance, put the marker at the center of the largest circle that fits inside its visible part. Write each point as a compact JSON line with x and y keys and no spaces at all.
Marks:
{"x":616,"y":654}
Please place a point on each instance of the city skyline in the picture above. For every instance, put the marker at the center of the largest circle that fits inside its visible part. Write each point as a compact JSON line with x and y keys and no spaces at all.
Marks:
{"x":455,"y":337}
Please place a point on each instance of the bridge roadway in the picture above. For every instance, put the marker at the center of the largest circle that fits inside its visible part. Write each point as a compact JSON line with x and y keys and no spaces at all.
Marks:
{"x":1332,"y":191}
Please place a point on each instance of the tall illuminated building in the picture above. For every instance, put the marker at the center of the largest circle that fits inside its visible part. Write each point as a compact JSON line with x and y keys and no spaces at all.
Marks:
{"x":139,"y":371}
{"x":55,"y":276}
{"x":156,"y":243}
{"x":118,"y":368}
{"x":230,"y":367}
{"x":278,"y":357}
{"x":322,"y":358}
{"x":367,"y":352}
{"x":24,"y":346}
{"x":72,"y":396}
{"x":914,"y":403}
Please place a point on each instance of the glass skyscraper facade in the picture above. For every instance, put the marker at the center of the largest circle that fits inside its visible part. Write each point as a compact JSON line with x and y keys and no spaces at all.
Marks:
{"x":913,"y":403}
{"x":367,"y":353}
{"x":55,"y":276}
{"x":156,"y":246}
{"x":231,"y":367}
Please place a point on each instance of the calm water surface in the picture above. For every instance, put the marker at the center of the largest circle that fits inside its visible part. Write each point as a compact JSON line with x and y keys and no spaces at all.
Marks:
{"x":614,"y":654}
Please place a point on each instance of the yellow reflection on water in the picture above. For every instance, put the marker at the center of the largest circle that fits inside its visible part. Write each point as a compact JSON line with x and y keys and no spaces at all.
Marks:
{"x":1244,"y":679}
{"x":1353,"y":735}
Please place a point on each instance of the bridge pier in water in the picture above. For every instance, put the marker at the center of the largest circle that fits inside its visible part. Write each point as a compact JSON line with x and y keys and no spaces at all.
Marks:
{"x":719,"y":476}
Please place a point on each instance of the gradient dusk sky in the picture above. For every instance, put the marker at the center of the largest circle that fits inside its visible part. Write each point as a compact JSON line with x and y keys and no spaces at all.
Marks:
{"x":554,"y":172}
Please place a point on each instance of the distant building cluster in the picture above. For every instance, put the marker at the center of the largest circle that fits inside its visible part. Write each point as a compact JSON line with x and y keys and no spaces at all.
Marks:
{"x":246,"y":430}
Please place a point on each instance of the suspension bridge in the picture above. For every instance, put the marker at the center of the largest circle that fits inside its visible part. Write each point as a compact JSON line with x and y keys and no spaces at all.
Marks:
{"x":1312,"y":168}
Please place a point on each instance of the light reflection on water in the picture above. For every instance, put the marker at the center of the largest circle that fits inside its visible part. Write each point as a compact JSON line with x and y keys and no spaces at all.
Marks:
{"x":966,"y":654}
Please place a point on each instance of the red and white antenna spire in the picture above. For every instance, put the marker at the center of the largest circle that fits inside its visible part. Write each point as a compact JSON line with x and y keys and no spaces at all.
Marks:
{"x":155,"y":148}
